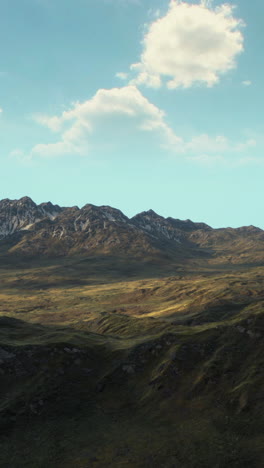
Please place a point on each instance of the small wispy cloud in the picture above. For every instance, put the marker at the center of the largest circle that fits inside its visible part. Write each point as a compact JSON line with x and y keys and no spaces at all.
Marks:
{"x":17,"y":153}
{"x":22,"y":157}
{"x":154,"y":13}
{"x":247,"y":83}
{"x":211,"y":161}
{"x":208,"y":160}
{"x":251,"y":160}
{"x":124,"y":2}
{"x":122,"y":75}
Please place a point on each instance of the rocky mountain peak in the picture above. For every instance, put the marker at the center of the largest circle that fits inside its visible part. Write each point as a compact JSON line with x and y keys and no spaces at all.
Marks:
{"x":92,"y":213}
{"x":149,"y":214}
{"x":17,"y":215}
{"x":26,"y":201}
{"x":113,"y":214}
{"x":21,"y":202}
{"x":156,"y":225}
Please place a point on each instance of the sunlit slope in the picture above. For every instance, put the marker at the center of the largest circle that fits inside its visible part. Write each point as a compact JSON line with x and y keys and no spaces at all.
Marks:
{"x":97,"y":296}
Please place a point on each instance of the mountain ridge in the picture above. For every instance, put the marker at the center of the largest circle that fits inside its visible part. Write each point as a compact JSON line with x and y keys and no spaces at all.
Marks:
{"x":47,"y":229}
{"x":49,"y":205}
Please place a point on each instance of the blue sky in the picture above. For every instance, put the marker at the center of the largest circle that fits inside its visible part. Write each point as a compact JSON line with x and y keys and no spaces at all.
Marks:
{"x":136,"y":104}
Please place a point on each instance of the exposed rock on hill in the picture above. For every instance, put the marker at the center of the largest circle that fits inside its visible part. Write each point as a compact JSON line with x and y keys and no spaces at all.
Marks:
{"x":17,"y":215}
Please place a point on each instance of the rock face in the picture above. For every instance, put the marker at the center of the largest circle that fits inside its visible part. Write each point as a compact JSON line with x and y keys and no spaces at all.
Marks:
{"x":156,"y":226}
{"x":17,"y":215}
{"x":46,"y":229}
{"x":170,"y":228}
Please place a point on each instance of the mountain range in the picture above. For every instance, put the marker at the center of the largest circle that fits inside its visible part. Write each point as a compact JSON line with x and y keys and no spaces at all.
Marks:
{"x":29,"y":229}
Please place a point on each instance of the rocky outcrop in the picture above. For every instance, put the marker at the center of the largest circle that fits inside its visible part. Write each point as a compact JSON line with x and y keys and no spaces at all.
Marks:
{"x":17,"y":215}
{"x":157,"y":226}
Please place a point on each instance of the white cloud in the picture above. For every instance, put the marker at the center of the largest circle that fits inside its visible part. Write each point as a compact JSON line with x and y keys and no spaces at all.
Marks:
{"x":77,"y":125}
{"x":248,"y":144}
{"x":1,"y":110}
{"x":53,"y":123}
{"x":247,"y":83}
{"x":106,"y":114}
{"x":17,"y":153}
{"x":211,"y":160}
{"x":216,"y":145}
{"x":59,"y":148}
{"x":192,"y":43}
{"x":122,"y":75}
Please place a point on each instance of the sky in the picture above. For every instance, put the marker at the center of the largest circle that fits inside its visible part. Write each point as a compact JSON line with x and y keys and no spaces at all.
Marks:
{"x":136,"y":104}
